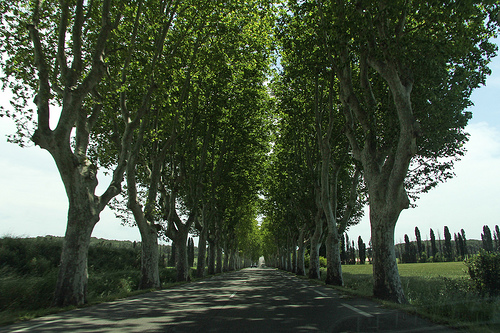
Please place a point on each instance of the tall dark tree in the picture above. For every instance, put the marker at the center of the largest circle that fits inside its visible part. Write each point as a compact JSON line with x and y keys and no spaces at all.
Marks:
{"x":458,"y":245}
{"x":410,"y":253}
{"x":448,"y":249}
{"x":361,"y":250}
{"x":433,"y":252}
{"x":486,"y":239}
{"x":343,"y":252}
{"x":190,"y":250}
{"x":497,"y":236}
{"x":420,"y":247}
{"x":465,"y":250}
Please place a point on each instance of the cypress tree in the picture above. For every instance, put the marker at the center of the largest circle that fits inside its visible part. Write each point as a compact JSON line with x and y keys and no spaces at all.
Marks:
{"x":190,"y":249}
{"x":420,"y":248}
{"x":342,"y":250}
{"x":362,"y":250}
{"x":464,"y":243}
{"x":487,"y":240}
{"x":410,"y":254}
{"x":497,"y":234}
{"x":433,"y":244}
{"x":448,"y":250}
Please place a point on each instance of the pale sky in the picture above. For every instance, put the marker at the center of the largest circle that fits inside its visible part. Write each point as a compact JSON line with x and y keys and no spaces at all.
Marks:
{"x":33,"y":202}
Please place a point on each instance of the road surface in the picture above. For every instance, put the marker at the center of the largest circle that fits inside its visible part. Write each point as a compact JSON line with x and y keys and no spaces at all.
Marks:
{"x":250,"y":300}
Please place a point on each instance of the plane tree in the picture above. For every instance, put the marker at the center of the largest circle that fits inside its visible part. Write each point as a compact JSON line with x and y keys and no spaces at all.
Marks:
{"x":405,"y":112}
{"x":308,"y":93}
{"x":63,"y":54}
{"x":290,"y":189}
{"x":211,"y":55}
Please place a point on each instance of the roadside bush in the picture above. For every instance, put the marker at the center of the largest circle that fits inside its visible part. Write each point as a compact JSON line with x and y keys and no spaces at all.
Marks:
{"x":484,"y":271}
{"x":30,"y":256}
{"x":112,"y":283}
{"x":28,"y":293}
{"x":322,"y":261}
{"x":105,"y":258}
{"x":307,"y":259}
{"x":447,"y":298}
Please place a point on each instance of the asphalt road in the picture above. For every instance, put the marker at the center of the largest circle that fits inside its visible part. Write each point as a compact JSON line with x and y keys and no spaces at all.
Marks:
{"x":250,"y":300}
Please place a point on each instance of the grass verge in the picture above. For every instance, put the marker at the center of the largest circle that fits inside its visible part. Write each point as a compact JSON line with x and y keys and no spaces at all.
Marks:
{"x":441,"y":292}
{"x":26,"y":297}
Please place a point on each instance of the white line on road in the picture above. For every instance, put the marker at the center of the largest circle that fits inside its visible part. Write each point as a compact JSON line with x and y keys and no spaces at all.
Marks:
{"x":361,"y":312}
{"x":319,"y":292}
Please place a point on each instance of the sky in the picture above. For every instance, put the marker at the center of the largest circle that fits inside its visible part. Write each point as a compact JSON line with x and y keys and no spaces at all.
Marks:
{"x":33,"y":201}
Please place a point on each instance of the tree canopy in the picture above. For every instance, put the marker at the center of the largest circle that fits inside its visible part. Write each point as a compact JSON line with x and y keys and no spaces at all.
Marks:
{"x":217,"y":112}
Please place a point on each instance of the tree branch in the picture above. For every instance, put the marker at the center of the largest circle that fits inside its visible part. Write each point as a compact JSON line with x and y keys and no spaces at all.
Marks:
{"x":42,"y":133}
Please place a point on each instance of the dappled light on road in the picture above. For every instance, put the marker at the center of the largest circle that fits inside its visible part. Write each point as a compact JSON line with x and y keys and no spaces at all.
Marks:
{"x":251,"y":300}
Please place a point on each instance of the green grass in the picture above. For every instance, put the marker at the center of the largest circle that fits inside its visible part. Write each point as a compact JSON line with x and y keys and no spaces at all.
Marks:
{"x":451,"y":270}
{"x":439,"y":291}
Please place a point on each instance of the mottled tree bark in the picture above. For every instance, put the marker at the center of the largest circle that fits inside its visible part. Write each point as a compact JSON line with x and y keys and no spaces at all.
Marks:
{"x":314,"y":267}
{"x":202,"y":253}
{"x":301,"y":270}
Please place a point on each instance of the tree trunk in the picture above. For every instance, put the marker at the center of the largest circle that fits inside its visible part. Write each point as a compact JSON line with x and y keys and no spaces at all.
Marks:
{"x":334,"y":266}
{"x":387,"y":282}
{"x":181,"y":262}
{"x":226,"y":261}
{"x":71,"y":286}
{"x":202,"y":252}
{"x":232,"y":260}
{"x":211,"y":258}
{"x":301,"y":270}
{"x":294,"y":255}
{"x":150,"y":275}
{"x":218,"y":268}
{"x":314,"y":272}
{"x":288,"y":252}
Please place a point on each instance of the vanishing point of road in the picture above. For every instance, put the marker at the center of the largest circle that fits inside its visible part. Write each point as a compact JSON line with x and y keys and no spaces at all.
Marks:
{"x":249,"y":300}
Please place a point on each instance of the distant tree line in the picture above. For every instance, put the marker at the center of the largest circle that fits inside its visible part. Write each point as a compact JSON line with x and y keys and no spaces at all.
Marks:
{"x":435,"y":249}
{"x":447,"y":249}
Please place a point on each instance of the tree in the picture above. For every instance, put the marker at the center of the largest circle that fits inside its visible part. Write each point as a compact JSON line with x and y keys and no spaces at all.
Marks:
{"x":448,"y":249}
{"x":343,"y":252}
{"x":497,"y":236}
{"x":486,"y":239}
{"x":433,"y":244}
{"x":307,"y":87}
{"x":375,"y":49}
{"x":420,"y":247}
{"x":190,"y":252}
{"x":410,"y":254}
{"x":176,"y":28}
{"x":361,"y":250}
{"x":465,"y":251}
{"x":63,"y":59}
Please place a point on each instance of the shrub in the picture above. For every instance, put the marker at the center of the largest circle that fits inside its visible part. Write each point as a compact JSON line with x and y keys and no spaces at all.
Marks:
{"x":28,"y":293}
{"x":112,"y":283}
{"x":322,"y":261}
{"x":484,"y":271}
{"x":30,"y":256}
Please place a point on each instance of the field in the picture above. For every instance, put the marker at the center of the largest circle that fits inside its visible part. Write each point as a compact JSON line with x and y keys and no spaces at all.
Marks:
{"x":451,"y":270}
{"x":440,"y":291}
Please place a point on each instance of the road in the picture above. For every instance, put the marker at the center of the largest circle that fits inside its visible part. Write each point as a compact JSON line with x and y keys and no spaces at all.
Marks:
{"x":250,"y":300}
